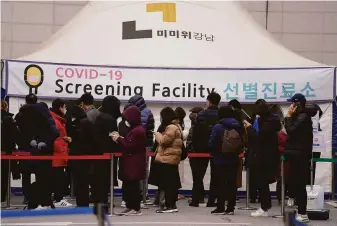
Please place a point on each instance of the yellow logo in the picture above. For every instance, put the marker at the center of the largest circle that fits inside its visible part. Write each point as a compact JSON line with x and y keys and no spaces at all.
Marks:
{"x":33,"y":77}
{"x":168,"y":10}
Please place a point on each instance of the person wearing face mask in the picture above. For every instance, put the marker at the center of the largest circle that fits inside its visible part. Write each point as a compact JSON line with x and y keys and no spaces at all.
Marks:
{"x":105,"y":123}
{"x":58,"y":112}
{"x":133,"y":159}
{"x":263,"y":155}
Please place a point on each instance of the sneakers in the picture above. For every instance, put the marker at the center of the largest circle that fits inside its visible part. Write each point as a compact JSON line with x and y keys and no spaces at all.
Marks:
{"x":42,"y":207}
{"x":133,"y":213}
{"x":167,"y":210}
{"x":123,"y":204}
{"x":25,"y":201}
{"x":62,"y":204}
{"x":125,"y":212}
{"x":211,"y":204}
{"x":291,"y":202}
{"x":302,"y":218}
{"x":228,"y":212}
{"x":218,"y":212}
{"x":259,"y":213}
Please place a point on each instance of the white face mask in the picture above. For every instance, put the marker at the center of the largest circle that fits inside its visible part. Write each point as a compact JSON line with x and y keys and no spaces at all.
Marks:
{"x":127,"y":124}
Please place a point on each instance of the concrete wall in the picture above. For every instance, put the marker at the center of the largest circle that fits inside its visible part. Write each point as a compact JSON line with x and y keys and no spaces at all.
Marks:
{"x":308,"y":28}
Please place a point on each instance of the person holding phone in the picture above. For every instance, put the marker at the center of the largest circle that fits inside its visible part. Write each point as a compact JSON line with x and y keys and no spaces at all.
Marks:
{"x":298,"y":151}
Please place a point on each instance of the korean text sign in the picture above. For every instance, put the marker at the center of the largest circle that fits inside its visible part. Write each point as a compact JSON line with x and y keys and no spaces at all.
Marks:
{"x":167,"y":84}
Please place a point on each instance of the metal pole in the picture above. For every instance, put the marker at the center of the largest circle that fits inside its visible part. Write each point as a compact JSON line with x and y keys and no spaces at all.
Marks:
{"x":72,"y":187}
{"x":332,"y":182}
{"x":247,"y":193}
{"x":145,"y":184}
{"x":312,"y":173}
{"x":100,"y":214}
{"x":282,"y":190}
{"x":9,"y":192}
{"x":112,"y":184}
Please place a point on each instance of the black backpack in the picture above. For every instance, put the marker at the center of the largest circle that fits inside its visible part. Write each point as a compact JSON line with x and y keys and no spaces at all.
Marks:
{"x":183,"y":147}
{"x":201,"y":134}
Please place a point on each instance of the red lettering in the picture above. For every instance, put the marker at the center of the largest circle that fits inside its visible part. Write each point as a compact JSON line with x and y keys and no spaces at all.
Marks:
{"x":57,"y":72}
{"x":118,"y":75}
{"x":93,"y":74}
{"x":69,"y":73}
{"x":79,"y":74}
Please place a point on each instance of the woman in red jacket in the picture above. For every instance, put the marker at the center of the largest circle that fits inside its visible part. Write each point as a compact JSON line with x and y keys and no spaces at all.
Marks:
{"x":58,"y":111}
{"x":133,"y":160}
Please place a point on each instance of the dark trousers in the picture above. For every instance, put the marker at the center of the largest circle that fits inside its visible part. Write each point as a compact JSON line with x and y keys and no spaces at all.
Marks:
{"x":171,"y":195}
{"x":59,"y":179}
{"x":279,"y":190}
{"x":298,"y":181}
{"x":260,"y":178}
{"x":315,"y":155}
{"x":101,"y":181}
{"x":199,"y":168}
{"x":81,"y":173}
{"x":26,"y":182}
{"x":44,"y":179}
{"x":4,"y":179}
{"x":226,"y":186}
{"x":131,"y":193}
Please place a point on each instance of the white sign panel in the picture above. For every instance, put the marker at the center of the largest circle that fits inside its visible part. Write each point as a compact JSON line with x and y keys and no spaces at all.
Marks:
{"x":49,"y":80}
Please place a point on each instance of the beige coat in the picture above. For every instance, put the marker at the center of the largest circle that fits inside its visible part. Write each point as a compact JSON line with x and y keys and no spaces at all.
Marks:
{"x":170,"y":144}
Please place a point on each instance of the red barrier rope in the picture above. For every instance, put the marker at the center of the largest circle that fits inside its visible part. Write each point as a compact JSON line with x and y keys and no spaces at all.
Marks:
{"x":26,"y":156}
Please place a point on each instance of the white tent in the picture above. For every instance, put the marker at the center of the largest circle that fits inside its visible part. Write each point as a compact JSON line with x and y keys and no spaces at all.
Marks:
{"x":233,"y":56}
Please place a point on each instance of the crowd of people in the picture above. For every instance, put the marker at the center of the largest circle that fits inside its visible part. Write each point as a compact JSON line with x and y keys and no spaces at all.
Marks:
{"x":224,"y":132}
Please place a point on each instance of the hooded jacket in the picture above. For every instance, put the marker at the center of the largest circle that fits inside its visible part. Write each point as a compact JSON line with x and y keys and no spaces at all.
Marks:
{"x":60,"y":145}
{"x":105,"y":123}
{"x":133,"y":147}
{"x":215,"y":142}
{"x":147,"y":118}
{"x":300,"y":135}
{"x":36,"y":123}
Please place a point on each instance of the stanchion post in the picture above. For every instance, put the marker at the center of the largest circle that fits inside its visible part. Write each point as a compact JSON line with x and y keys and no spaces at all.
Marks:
{"x":332,"y":181}
{"x":247,"y":192}
{"x":9,"y":191}
{"x":100,"y":214}
{"x":282,"y":190}
{"x":112,"y":184}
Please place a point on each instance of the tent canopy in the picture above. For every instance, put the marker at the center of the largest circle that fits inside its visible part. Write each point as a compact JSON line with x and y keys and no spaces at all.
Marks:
{"x":94,"y":37}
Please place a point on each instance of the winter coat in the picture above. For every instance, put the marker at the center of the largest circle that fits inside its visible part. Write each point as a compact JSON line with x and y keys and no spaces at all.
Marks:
{"x":36,"y":123}
{"x":202,"y":129}
{"x":170,"y":145}
{"x":60,"y":145}
{"x":133,"y":147}
{"x":147,"y":118}
{"x":263,"y":151}
{"x":300,"y":135}
{"x":10,"y":133}
{"x":216,"y":139}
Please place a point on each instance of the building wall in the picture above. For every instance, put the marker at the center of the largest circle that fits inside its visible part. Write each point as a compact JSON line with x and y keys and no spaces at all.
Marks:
{"x":308,"y":28}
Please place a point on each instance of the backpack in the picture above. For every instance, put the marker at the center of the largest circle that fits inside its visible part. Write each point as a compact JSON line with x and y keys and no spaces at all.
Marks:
{"x":232,"y":142}
{"x":201,"y":133}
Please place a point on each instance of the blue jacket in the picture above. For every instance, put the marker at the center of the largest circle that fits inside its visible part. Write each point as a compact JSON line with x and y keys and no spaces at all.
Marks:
{"x":147,"y":118}
{"x":215,"y":141}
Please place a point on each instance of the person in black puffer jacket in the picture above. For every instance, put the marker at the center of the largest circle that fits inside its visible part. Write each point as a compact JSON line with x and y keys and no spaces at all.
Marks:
{"x":298,"y":150}
{"x":106,"y":122}
{"x":202,"y":129}
{"x":263,"y":155}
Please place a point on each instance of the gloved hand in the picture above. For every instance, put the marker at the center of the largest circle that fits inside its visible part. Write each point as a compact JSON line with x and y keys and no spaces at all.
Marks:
{"x":33,"y":143}
{"x":41,"y":145}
